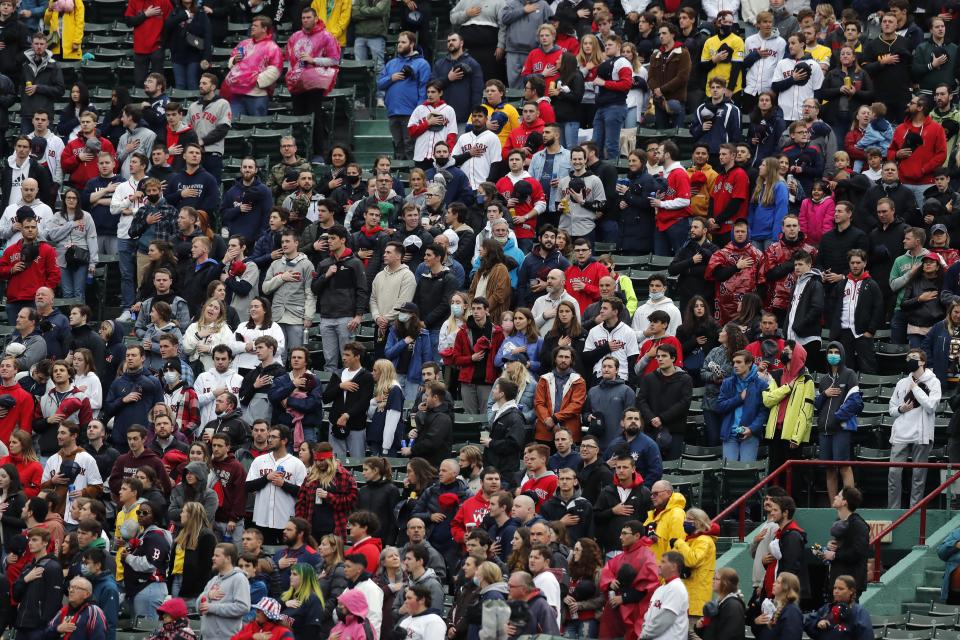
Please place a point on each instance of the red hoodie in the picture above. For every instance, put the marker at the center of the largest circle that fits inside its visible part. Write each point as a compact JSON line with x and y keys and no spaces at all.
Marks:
{"x":80,"y":172}
{"x":42,"y":272}
{"x":518,"y":137}
{"x":473,"y":510}
{"x":30,"y":472}
{"x":148,"y":34}
{"x":370,"y":548}
{"x":543,"y":487}
{"x":919,"y":167}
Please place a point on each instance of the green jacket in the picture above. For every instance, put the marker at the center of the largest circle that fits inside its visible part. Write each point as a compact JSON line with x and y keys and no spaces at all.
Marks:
{"x":900,"y":274}
{"x":953,"y":115}
{"x":798,"y":420}
{"x":926,"y":76}
{"x":370,"y":18}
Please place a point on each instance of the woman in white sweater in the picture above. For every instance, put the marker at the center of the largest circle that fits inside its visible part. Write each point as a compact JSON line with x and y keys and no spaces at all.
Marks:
{"x":209,"y":330}
{"x":85,"y":378}
{"x":260,"y":323}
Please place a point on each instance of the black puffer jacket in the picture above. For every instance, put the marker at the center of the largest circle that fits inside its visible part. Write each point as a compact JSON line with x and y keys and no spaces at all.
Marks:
{"x":507,"y":438}
{"x":923,"y":314}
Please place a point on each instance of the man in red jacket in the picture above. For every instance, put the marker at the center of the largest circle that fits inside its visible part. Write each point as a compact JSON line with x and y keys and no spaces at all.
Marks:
{"x":919,"y":146}
{"x":28,"y":264}
{"x":79,"y":157}
{"x":545,"y":59}
{"x":474,"y":509}
{"x":530,"y":122}
{"x":583,"y":275}
{"x":147,"y":18}
{"x":16,"y":404}
{"x":672,"y":205}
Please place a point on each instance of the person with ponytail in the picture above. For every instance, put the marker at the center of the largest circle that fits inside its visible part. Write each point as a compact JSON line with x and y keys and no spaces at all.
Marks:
{"x":724,"y":618}
{"x":786,"y":621}
{"x":842,"y":618}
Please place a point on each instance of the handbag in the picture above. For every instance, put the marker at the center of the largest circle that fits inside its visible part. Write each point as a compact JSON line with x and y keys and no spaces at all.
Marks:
{"x":195,"y":41}
{"x":53,"y":40}
{"x":77,"y":256}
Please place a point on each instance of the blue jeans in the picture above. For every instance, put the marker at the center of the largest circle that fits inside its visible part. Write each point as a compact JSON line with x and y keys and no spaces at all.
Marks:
{"x":186,"y":75}
{"x":249,"y":106}
{"x":898,"y":328}
{"x":571,"y":134}
{"x":668,"y":243}
{"x":915,"y":340}
{"x":743,"y":450}
{"x":435,"y":345}
{"x":73,"y":282}
{"x":13,"y":309}
{"x":127,"y":259}
{"x":146,"y":602}
{"x":763,"y":244}
{"x":410,"y":387}
{"x":666,"y":120}
{"x":607,"y":124}
{"x":582,"y":629}
{"x":371,"y":49}
{"x":712,"y":421}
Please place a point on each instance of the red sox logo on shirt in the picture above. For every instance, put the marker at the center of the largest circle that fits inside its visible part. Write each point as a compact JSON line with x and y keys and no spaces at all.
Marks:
{"x":467,"y":148}
{"x":657,"y":604}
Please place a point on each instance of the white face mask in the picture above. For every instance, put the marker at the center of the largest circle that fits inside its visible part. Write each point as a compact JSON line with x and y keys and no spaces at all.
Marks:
{"x":171,"y":377}
{"x":656,"y":297}
{"x":403,"y":317}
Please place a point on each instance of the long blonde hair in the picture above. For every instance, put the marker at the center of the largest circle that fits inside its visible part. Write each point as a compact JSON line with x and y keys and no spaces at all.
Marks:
{"x":451,"y":321}
{"x":323,"y":470}
{"x":386,"y":377}
{"x":596,"y":57}
{"x":518,"y":374}
{"x":635,"y":61}
{"x":789,"y":592}
{"x":221,"y":318}
{"x":769,"y":176}
{"x":197,"y":521}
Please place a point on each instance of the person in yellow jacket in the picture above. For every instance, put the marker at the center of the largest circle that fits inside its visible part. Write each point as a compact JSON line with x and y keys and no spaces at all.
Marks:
{"x":702,"y":177}
{"x":666,"y":518}
{"x":128,"y":501}
{"x":699,"y":550}
{"x":65,"y":17}
{"x":791,"y":404}
{"x":336,"y":15}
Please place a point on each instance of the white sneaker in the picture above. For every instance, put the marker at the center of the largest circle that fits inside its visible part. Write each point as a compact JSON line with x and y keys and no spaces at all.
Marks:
{"x":125,"y":316}
{"x":380,"y":104}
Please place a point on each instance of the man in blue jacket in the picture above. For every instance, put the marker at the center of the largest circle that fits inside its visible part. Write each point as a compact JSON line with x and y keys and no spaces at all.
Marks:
{"x":131,"y":396}
{"x":741,"y":404}
{"x":404,"y":79}
{"x":461,"y":77}
{"x":195,"y":186}
{"x":247,"y":204}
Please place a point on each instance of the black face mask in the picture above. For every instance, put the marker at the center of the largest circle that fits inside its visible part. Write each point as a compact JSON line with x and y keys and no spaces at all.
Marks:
{"x":353,"y":179}
{"x":466,"y":472}
{"x":724,"y":30}
{"x":153,"y":197}
{"x":912,"y":365}
{"x":785,"y":357}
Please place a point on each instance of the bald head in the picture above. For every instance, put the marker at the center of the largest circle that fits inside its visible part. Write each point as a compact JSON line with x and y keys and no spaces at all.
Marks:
{"x":43,"y":298}
{"x":29,"y":189}
{"x":660,"y":493}
{"x":556,"y":280}
{"x":523,"y":508}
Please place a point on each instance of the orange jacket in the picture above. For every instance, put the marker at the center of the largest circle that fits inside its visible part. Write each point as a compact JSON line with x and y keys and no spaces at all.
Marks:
{"x":568,"y":415}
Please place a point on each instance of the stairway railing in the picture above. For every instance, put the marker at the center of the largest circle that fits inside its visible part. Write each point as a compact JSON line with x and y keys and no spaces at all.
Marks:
{"x":786,"y":469}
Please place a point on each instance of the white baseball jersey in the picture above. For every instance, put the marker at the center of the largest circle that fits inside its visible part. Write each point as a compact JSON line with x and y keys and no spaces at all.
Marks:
{"x":477,"y":168}
{"x":273,"y":506}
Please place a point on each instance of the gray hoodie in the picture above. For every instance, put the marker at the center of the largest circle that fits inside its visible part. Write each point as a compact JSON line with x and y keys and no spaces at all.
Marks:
{"x":208,"y":497}
{"x":428,"y":579}
{"x":225,"y":616}
{"x":521,"y":27}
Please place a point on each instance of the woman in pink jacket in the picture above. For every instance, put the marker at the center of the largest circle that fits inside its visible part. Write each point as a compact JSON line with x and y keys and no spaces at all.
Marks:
{"x":352,"y":612}
{"x":816,"y":213}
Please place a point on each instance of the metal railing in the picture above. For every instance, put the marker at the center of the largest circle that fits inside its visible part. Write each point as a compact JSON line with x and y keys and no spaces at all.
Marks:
{"x":786,"y":469}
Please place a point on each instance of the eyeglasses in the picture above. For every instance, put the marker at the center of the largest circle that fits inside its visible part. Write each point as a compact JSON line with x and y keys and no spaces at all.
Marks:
{"x":589,"y":446}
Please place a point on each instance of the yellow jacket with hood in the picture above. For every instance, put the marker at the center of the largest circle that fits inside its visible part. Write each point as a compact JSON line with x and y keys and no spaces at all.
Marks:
{"x":700,"y":557}
{"x":70,"y":28}
{"x":799,"y":395}
{"x":668,"y":523}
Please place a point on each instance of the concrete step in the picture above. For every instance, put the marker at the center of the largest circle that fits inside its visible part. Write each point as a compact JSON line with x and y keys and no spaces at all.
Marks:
{"x":371,"y":127}
{"x":928,"y":594}
{"x":933,"y":577}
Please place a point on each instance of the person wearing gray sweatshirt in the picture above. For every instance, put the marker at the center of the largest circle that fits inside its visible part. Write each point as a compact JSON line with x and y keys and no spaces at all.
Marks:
{"x":415,"y":562}
{"x":606,"y":402}
{"x":226,"y":598}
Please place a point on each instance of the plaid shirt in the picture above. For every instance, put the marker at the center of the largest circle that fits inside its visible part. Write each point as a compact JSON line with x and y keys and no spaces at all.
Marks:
{"x":342,"y":496}
{"x":183,"y":400}
{"x":163,"y":229}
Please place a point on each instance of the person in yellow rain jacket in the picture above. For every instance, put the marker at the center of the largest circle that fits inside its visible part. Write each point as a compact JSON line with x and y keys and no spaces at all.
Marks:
{"x":129,"y":501}
{"x":336,"y":15}
{"x":66,"y":18}
{"x":791,"y":404}
{"x":666,"y":517}
{"x":699,"y":550}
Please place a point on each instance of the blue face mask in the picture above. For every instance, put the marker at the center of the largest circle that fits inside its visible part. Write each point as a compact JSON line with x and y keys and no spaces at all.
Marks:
{"x":481,"y":197}
{"x":833,"y":359}
{"x":689,"y":528}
